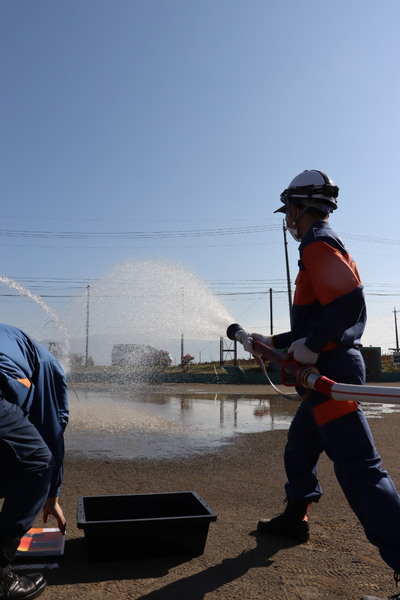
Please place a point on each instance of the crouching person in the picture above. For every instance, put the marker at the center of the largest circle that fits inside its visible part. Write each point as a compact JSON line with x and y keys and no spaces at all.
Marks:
{"x":33,"y":417}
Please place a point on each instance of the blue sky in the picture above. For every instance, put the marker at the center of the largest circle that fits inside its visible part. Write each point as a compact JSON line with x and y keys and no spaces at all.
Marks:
{"x":156,"y":130}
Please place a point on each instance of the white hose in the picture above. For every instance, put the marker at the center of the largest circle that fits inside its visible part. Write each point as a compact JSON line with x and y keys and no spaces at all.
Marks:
{"x":366,"y":393}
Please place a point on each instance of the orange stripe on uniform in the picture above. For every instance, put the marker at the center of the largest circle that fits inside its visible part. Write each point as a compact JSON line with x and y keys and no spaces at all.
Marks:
{"x":25,"y":382}
{"x":333,"y":409}
{"x":331,"y":274}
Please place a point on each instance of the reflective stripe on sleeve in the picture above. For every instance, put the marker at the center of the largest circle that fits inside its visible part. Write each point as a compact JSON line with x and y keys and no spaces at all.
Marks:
{"x":25,"y":382}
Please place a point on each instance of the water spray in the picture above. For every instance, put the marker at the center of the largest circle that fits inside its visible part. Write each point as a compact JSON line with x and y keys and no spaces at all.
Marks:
{"x":14,"y":285}
{"x":309,"y":377}
{"x":126,"y":306}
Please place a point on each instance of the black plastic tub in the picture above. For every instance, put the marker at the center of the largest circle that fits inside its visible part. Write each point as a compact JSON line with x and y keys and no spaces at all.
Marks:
{"x":135,"y":525}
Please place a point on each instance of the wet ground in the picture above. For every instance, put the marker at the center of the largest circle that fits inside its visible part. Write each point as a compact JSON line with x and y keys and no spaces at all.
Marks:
{"x":171,"y":421}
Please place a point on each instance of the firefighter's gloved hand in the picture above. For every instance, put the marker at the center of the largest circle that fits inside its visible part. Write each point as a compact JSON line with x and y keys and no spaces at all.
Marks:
{"x":248,"y":345}
{"x":265,"y":339}
{"x":302,"y":354}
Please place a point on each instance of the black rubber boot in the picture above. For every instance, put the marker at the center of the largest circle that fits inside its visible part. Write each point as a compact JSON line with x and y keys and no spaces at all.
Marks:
{"x":291,"y":524}
{"x":20,"y":587}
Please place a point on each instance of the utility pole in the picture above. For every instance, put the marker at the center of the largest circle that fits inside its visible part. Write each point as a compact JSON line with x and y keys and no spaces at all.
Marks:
{"x":287,"y":272}
{"x":395,"y":329}
{"x":183,"y":325}
{"x":271,"y":326}
{"x":87,"y":326}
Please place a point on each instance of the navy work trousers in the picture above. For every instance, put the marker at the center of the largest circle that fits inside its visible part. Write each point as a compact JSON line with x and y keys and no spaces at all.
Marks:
{"x":348,"y":442}
{"x":25,"y":471}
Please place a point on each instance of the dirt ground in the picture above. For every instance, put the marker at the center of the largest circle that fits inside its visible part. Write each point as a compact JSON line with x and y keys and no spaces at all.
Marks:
{"x":242,"y":482}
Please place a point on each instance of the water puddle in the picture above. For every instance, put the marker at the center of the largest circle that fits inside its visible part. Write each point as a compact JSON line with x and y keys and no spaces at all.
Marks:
{"x":148,"y":423}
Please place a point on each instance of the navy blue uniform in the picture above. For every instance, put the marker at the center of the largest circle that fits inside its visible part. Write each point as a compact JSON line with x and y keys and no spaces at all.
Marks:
{"x":33,"y":417}
{"x":329,"y":312}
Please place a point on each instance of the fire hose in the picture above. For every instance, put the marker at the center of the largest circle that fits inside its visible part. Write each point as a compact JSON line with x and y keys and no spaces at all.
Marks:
{"x":309,"y":377}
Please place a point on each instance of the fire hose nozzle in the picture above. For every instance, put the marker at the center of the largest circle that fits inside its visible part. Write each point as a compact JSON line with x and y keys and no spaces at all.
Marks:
{"x":236,"y":332}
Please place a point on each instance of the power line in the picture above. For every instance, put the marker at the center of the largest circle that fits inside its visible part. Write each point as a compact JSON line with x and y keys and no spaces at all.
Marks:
{"x":166,"y":234}
{"x":134,"y":235}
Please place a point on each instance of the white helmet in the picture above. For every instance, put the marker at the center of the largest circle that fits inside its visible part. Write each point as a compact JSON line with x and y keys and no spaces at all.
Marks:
{"x":311,"y":189}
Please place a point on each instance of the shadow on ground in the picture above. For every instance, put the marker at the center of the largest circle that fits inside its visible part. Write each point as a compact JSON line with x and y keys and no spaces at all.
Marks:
{"x":76,"y":568}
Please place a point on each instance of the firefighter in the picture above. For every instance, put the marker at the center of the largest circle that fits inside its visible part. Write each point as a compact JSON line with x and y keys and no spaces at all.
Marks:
{"x":328,"y":320}
{"x":33,"y":417}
